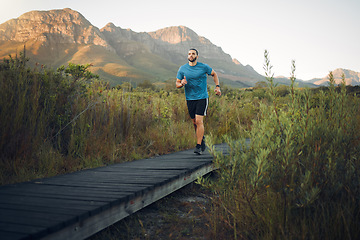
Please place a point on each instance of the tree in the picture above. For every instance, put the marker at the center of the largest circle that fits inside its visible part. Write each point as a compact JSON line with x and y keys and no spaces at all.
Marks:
{"x":146,"y":84}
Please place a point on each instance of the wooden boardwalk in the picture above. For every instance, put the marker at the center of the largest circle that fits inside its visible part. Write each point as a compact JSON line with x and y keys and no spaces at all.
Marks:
{"x":79,"y":204}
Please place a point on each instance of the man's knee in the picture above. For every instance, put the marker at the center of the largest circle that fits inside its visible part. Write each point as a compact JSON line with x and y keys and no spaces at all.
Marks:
{"x":199,"y":121}
{"x":194,"y":121}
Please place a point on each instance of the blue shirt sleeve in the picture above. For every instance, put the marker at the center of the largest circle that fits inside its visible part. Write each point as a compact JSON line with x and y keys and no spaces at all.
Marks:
{"x":180,"y":74}
{"x":208,"y":69}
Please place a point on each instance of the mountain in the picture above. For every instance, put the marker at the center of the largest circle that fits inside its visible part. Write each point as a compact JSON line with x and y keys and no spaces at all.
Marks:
{"x":351,"y":78}
{"x":57,"y":37}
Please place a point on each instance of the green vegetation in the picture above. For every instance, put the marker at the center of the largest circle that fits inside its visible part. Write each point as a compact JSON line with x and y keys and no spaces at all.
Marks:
{"x":54,"y":122}
{"x":299,"y":178}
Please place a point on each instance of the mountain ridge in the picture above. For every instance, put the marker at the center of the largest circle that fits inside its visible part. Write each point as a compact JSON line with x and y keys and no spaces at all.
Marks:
{"x":59,"y":36}
{"x":351,"y":78}
{"x":74,"y":28}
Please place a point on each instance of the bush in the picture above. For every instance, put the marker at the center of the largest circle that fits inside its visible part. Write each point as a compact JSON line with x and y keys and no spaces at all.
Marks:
{"x":35,"y":108}
{"x":298,"y":178}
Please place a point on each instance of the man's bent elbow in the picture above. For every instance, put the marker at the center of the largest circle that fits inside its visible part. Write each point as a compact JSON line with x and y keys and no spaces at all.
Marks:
{"x":214,"y":74}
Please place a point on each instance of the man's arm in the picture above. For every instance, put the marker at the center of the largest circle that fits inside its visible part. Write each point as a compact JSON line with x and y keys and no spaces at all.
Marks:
{"x":215,"y":76}
{"x":216,"y":81}
{"x":181,"y":83}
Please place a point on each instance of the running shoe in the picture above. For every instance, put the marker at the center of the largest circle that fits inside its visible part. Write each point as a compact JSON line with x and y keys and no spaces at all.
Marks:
{"x":203,"y":145}
{"x":198,"y":150}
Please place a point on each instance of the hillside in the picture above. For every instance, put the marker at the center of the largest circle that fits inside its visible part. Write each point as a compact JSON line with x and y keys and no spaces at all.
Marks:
{"x":118,"y":55}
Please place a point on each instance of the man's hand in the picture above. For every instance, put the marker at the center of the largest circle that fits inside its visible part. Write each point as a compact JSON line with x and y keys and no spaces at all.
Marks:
{"x":183,"y":82}
{"x":217,"y":91}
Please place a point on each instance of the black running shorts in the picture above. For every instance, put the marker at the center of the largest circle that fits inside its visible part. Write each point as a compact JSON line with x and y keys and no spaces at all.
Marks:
{"x":197,"y":107}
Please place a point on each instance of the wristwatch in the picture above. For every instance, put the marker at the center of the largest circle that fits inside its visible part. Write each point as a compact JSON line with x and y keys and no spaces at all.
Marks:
{"x":217,"y":86}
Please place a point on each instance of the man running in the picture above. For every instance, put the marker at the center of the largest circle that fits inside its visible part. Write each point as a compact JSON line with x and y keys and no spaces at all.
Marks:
{"x":193,"y":76}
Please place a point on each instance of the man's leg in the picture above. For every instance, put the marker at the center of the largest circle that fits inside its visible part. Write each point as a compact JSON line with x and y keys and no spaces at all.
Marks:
{"x":198,"y":121}
{"x":194,"y":122}
{"x":199,"y":128}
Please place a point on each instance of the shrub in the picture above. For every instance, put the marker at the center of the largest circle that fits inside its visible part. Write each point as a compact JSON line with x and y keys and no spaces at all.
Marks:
{"x":298,"y":178}
{"x":35,"y":108}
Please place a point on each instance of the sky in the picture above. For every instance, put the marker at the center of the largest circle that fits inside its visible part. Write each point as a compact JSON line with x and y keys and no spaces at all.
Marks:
{"x":320,"y":35}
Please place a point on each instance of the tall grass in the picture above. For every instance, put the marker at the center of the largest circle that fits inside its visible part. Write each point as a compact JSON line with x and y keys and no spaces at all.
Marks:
{"x":59,"y":121}
{"x":35,"y":106}
{"x":299,"y":176}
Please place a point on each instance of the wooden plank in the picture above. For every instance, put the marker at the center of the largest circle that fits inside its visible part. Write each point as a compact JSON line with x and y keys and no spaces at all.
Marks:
{"x":44,"y":209}
{"x":35,"y":223}
{"x":12,"y":235}
{"x":18,"y":230}
{"x":39,"y":219}
{"x":51,"y":202}
{"x":56,"y":190}
{"x":45,"y":198}
{"x":106,"y":186}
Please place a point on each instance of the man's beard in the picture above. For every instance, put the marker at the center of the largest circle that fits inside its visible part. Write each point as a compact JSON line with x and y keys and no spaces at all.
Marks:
{"x":192,"y":60}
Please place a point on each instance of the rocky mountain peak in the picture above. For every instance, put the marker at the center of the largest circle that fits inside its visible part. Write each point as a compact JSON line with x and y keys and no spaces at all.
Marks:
{"x":65,"y":15}
{"x":54,"y":26}
{"x":175,"y":35}
{"x":179,"y":39}
{"x":348,"y":73}
{"x":351,"y":77}
{"x":236,"y":61}
{"x":110,"y":27}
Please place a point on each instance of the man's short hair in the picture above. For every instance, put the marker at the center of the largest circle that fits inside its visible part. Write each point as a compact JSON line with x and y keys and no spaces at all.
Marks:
{"x":197,"y":53}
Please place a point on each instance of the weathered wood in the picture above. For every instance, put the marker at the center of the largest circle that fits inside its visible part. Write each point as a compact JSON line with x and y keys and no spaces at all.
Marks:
{"x":77,"y":205}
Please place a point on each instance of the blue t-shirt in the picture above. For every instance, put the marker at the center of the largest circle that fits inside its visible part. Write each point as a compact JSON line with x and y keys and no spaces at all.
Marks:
{"x":196,"y":77}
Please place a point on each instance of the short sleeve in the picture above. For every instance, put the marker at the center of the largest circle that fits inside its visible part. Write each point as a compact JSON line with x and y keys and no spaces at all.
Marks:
{"x":180,"y":74}
{"x":208,"y":69}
